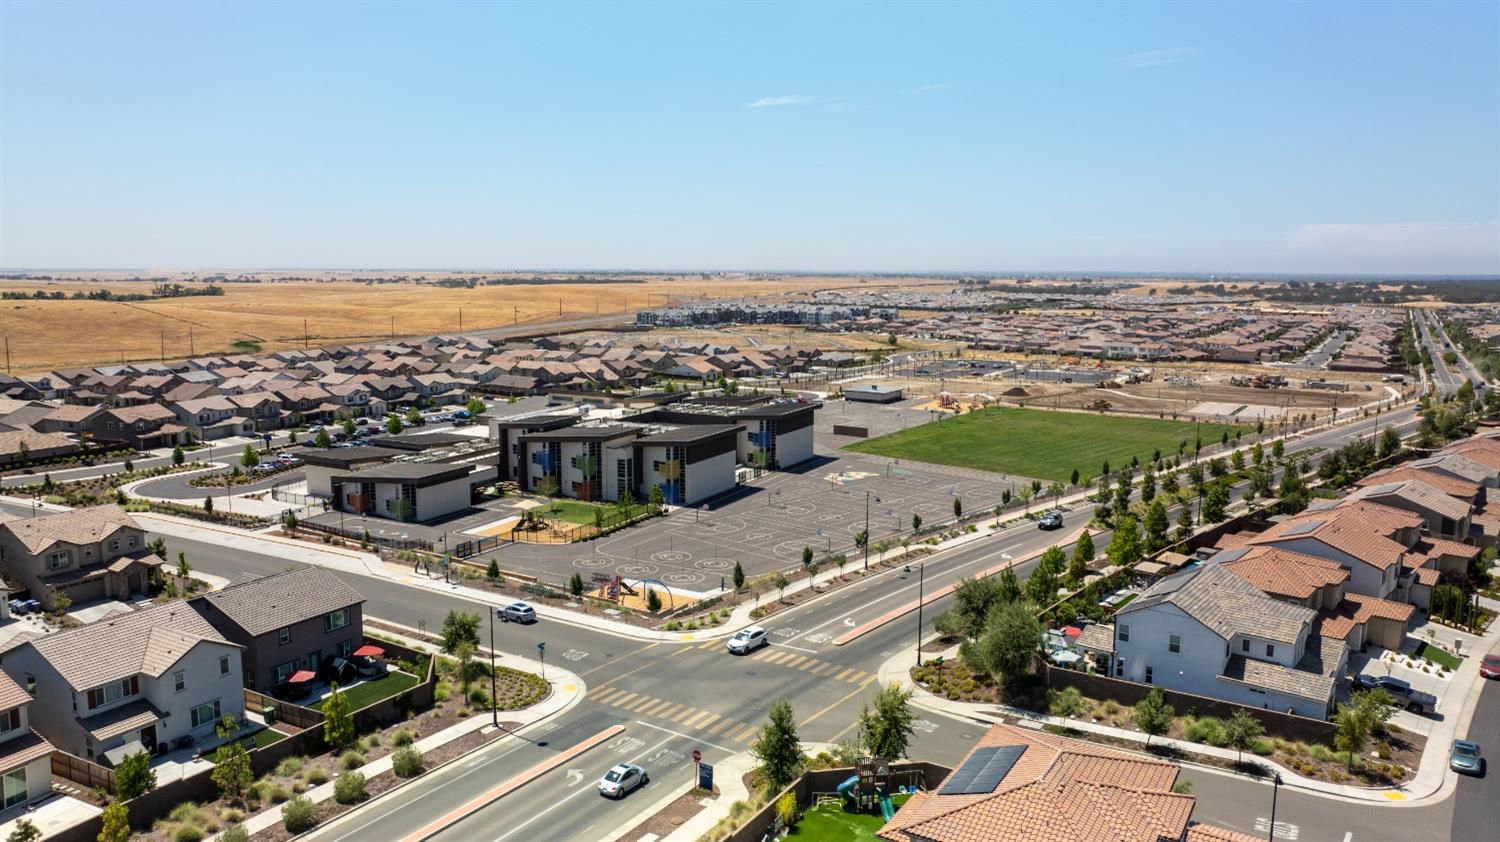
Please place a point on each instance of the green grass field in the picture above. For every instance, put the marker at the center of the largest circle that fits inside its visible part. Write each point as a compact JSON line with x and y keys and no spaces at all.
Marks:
{"x":1040,"y":444}
{"x":830,"y":823}
{"x":369,"y":692}
{"x":1441,"y":657}
{"x":577,"y":511}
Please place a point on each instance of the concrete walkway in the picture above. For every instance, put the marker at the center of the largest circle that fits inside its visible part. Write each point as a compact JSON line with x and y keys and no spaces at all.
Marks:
{"x":1433,"y":781}
{"x":567,"y":690}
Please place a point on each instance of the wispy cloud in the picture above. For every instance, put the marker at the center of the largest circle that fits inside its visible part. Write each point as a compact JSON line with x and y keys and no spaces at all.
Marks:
{"x":1389,"y":239}
{"x":1156,"y":58}
{"x":777,"y":101}
{"x":941,"y":86}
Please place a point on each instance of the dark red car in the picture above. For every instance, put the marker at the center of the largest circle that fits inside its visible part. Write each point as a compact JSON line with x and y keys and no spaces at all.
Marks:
{"x":1490,"y":666}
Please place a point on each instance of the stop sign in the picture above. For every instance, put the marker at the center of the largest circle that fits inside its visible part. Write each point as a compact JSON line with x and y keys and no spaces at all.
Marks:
{"x":697,"y":755}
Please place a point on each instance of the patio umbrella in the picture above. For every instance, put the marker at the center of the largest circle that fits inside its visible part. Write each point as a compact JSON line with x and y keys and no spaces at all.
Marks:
{"x":1072,"y":631}
{"x":302,"y":677}
{"x":368,"y":651}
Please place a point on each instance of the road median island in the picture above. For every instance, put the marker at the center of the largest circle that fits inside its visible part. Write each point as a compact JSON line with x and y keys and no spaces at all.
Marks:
{"x":515,"y":783}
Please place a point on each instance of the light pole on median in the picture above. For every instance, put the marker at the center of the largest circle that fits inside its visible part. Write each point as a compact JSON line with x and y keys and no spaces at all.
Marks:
{"x":921,"y":570}
{"x":494,"y":702}
{"x":867,"y":530}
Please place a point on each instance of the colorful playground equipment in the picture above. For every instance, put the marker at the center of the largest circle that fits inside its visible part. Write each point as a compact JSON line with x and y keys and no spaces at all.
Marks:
{"x":869,"y":788}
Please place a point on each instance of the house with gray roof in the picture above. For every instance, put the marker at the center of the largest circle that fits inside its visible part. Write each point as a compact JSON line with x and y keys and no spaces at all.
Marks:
{"x":147,"y":680}
{"x":301,"y":619}
{"x":92,"y":553}
{"x":1208,"y":632}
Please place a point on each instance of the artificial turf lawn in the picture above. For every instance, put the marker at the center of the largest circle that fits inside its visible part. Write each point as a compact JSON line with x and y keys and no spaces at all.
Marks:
{"x":369,"y":692}
{"x":1039,"y":444}
{"x":574,"y":511}
{"x":829,"y":823}
{"x":1441,"y":657}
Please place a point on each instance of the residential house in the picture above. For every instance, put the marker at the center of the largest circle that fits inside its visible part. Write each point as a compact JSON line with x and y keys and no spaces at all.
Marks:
{"x":24,"y":446}
{"x":302,"y":619}
{"x":146,"y":680}
{"x":25,"y":755}
{"x":210,"y":419}
{"x":1442,"y":516}
{"x":142,"y":427}
{"x":1024,"y":785}
{"x":1208,"y":632}
{"x":69,"y":418}
{"x":88,"y":554}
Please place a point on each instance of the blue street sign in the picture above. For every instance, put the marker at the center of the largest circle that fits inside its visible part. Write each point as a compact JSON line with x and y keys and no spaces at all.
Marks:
{"x":706,"y":777}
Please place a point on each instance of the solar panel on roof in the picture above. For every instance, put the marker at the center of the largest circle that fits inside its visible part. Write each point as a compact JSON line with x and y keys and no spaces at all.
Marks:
{"x":1304,"y":528}
{"x":1234,"y":554}
{"x":1385,"y":489}
{"x":983,"y":771}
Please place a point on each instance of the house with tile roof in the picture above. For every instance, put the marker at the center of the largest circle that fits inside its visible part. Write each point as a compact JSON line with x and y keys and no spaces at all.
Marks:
{"x":1208,"y":632}
{"x":88,"y":554}
{"x":25,"y":755}
{"x":1021,"y":785}
{"x":1443,"y":516}
{"x":301,"y":619}
{"x":143,"y":427}
{"x":144,"y":680}
{"x":1367,"y":539}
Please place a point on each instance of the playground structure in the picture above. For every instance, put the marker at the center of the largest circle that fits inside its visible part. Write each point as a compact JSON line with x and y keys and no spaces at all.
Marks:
{"x":869,"y":788}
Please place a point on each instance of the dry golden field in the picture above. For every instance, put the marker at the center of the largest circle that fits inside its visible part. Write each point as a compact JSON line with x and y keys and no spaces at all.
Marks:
{"x":60,"y":334}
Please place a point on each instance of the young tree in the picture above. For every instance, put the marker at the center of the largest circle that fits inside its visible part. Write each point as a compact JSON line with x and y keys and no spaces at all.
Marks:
{"x":807,"y":556}
{"x":393,"y":425}
{"x":493,"y":570}
{"x":338,"y":718}
{"x":780,"y":582}
{"x":1084,"y":549}
{"x":1153,"y":715}
{"x":1068,"y":703}
{"x":1156,"y":527}
{"x":575,"y":585}
{"x":324,"y":440}
{"x":231,"y":773}
{"x":1241,"y":731}
{"x":1257,"y":454}
{"x":1025,"y":494}
{"x":459,"y":627}
{"x":653,"y":600}
{"x":1041,"y":587}
{"x":1390,"y":442}
{"x":739,"y":576}
{"x":657,"y":499}
{"x":777,"y":747}
{"x":1352,"y":731}
{"x":1010,"y":587}
{"x":1215,"y":502}
{"x":916,"y":522}
{"x":958,"y":507}
{"x":177,"y":455}
{"x":885,"y":727}
{"x":475,"y":406}
{"x":348,"y":426}
{"x":1125,"y":545}
{"x":208,"y":503}
{"x":1010,"y":642}
{"x":1184,"y":523}
{"x":972,"y":601}
{"x":1148,"y":485}
{"x":1277,"y":449}
{"x":413,"y":415}
{"x":114,"y":826}
{"x":134,"y":776}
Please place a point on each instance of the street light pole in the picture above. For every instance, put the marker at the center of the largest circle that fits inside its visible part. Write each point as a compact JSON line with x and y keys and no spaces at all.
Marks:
{"x":1275,"y":788}
{"x":921,"y":570}
{"x":867,"y":530}
{"x":494,"y":702}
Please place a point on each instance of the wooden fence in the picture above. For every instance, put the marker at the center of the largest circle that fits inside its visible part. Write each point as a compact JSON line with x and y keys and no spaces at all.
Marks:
{"x":292,"y":714}
{"x":85,"y":773}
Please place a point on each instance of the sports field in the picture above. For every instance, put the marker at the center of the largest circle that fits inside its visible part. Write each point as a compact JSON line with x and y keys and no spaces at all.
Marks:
{"x":1040,"y":444}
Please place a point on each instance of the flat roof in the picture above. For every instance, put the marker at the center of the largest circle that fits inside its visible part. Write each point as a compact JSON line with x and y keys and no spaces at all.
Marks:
{"x":582,"y":433}
{"x":417,"y":473}
{"x":873,"y":387}
{"x":545,"y":421}
{"x":341,"y":457}
{"x":422,"y":441}
{"x":691,"y":433}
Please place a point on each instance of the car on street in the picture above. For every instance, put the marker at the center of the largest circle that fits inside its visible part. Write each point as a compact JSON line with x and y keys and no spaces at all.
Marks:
{"x":1405,"y":696}
{"x":517,"y":612}
{"x":1490,"y":666}
{"x":288,"y":459}
{"x":748,"y":640}
{"x":622,"y":779}
{"x":1465,"y":758}
{"x":1050,"y":520}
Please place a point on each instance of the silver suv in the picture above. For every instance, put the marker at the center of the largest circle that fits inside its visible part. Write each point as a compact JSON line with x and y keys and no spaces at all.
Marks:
{"x":517,"y":612}
{"x":748,"y":640}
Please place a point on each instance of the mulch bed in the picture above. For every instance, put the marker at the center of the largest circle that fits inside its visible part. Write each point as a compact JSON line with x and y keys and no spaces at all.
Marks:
{"x":670,"y":817}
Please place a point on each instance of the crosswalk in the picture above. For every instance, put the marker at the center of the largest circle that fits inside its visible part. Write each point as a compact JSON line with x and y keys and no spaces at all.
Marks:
{"x":785,"y":658}
{"x":708,"y":723}
{"x":713,"y":725}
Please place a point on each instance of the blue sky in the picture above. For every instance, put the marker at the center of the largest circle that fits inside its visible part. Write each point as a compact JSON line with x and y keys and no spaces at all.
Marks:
{"x":1217,"y":137}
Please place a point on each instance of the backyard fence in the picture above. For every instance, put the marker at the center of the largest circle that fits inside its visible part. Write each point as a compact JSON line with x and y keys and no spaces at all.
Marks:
{"x":763,"y":824}
{"x":295,"y":715}
{"x":361,"y":536}
{"x":85,"y":773}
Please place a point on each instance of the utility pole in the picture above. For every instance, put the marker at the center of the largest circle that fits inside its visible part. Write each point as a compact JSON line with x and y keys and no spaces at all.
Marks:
{"x":191,"y":352}
{"x":921,"y":569}
{"x":460,"y":320}
{"x":163,"y":346}
{"x":304,"y":334}
{"x":7,"y":353}
{"x":393,"y":328}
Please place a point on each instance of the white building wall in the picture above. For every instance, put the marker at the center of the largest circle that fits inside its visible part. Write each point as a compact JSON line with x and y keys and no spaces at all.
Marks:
{"x":567,"y":473}
{"x":1193,"y":670}
{"x":650,"y":478}
{"x":613,"y":456}
{"x":204,"y":684}
{"x":1364,"y":579}
{"x":795,"y":447}
{"x":443,"y":499}
{"x":710,"y":477}
{"x":320,"y":479}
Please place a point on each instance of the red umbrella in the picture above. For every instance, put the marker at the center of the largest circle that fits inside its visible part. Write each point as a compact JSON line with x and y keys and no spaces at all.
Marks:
{"x":301,"y":677}
{"x":368,"y":651}
{"x":1072,"y":631}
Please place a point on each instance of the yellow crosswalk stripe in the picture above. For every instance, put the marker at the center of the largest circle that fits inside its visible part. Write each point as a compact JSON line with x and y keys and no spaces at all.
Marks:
{"x":845,"y":674}
{"x":745,"y":737}
{"x":713,"y":717}
{"x":668,"y":710}
{"x":822,"y":667}
{"x":729,"y":734}
{"x":652,"y":710}
{"x":708,"y":644}
{"x":795,"y":661}
{"x":763,"y":654}
{"x":720,"y":726}
{"x":610,"y":693}
{"x":693,"y":723}
{"x":641,"y":703}
{"x":621,"y":700}
{"x":684,"y":714}
{"x":779,"y":657}
{"x":866,"y":682}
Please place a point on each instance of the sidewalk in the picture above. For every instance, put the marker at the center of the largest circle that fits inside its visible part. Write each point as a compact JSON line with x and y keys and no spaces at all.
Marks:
{"x":1433,"y":781}
{"x":336,"y":558}
{"x":567,"y":690}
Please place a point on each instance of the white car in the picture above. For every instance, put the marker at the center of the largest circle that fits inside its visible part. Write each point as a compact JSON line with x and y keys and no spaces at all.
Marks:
{"x":748,"y":640}
{"x":622,"y":779}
